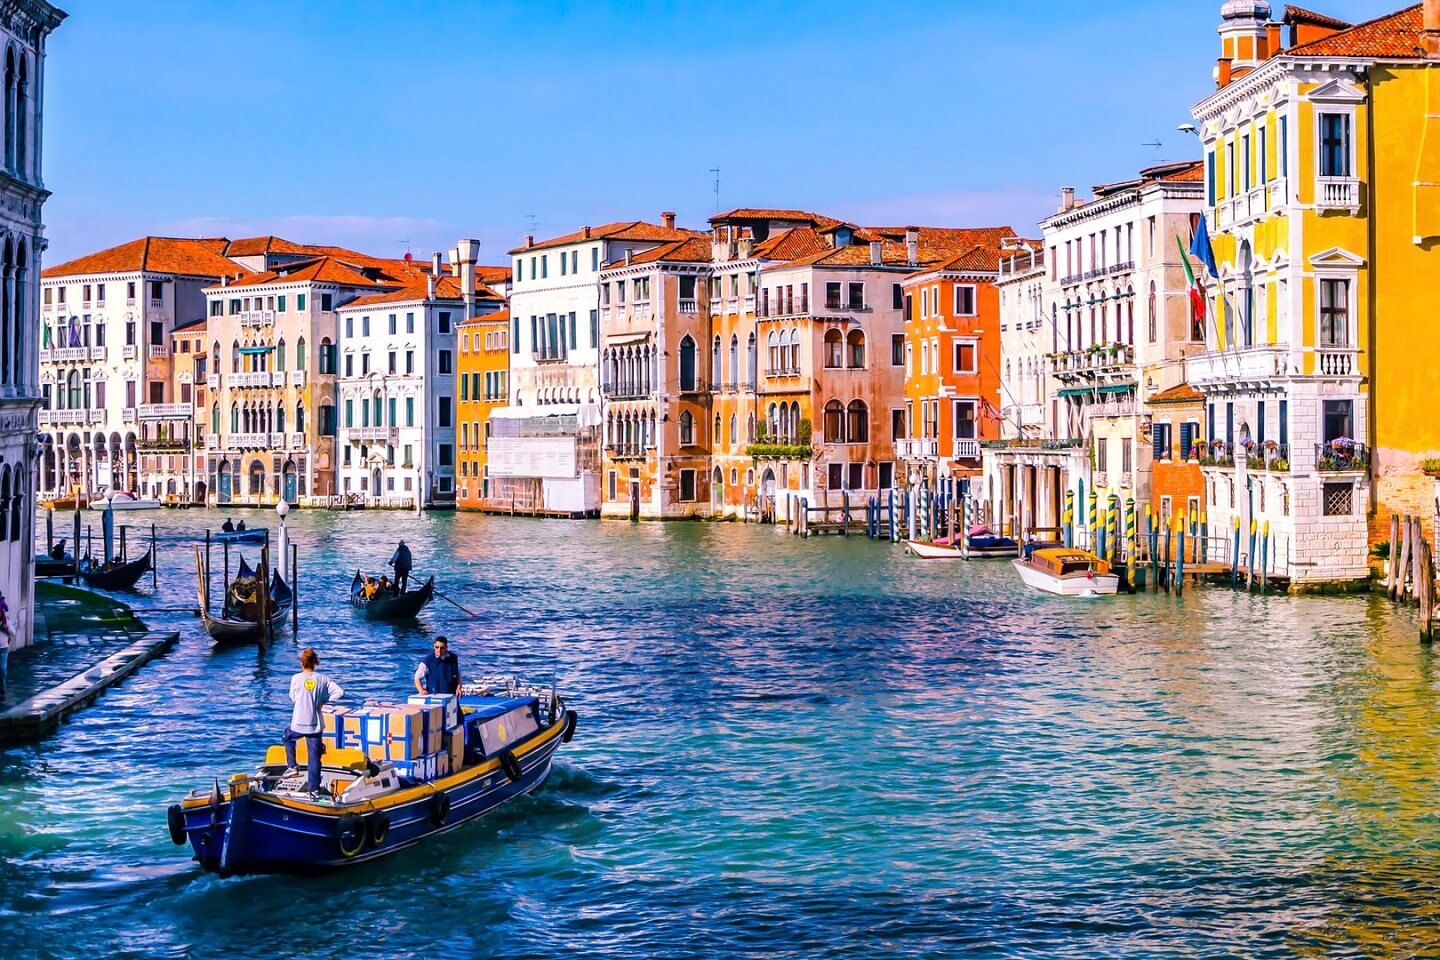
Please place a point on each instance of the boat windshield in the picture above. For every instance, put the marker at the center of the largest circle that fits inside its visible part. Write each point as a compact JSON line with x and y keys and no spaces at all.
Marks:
{"x":1075,"y":566}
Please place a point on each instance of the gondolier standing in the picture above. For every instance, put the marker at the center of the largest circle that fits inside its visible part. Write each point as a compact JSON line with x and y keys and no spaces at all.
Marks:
{"x":309,"y":691}
{"x":401,"y":561}
{"x":439,"y":672}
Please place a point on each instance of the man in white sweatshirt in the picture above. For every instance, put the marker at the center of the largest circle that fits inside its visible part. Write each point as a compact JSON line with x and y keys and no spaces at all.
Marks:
{"x":309,"y":691}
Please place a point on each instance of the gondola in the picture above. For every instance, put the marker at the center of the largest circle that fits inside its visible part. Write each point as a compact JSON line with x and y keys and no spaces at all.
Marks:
{"x":239,"y":620}
{"x":390,"y":605}
{"x":115,"y":575}
{"x":57,"y":563}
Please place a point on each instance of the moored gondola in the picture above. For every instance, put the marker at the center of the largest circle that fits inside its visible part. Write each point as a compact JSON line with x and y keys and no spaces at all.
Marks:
{"x":388,"y":603}
{"x":240,"y":617}
{"x":115,"y":575}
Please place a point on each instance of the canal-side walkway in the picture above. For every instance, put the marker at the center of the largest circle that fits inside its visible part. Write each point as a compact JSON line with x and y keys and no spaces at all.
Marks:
{"x":84,"y":643}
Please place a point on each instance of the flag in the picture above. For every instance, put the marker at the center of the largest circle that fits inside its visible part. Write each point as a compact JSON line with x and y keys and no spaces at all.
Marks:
{"x":1197,"y":292}
{"x":1200,"y":249}
{"x":74,"y":332}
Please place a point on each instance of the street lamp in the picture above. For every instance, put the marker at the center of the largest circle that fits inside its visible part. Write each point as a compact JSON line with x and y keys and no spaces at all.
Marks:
{"x":282,"y":509}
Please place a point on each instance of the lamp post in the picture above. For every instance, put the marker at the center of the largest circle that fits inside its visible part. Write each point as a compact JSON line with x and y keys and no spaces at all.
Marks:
{"x":282,"y":508}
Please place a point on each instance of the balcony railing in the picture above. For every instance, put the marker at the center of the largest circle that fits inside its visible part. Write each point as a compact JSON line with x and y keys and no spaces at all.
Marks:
{"x":1217,"y":454}
{"x":212,"y":442}
{"x":158,"y":351}
{"x":130,"y":351}
{"x":1337,"y":193}
{"x":1235,"y":367}
{"x":1271,"y":456}
{"x":296,"y":378}
{"x":697,"y":385}
{"x":620,"y":391}
{"x":257,"y":318}
{"x":297,"y":441}
{"x":1279,"y":192}
{"x":1072,"y":363}
{"x":1072,"y":279}
{"x":966,"y":449}
{"x":213,"y":381}
{"x":65,"y":417}
{"x":1337,"y":361}
{"x":689,"y":305}
{"x":1341,"y":456}
{"x":255,"y":441}
{"x":128,"y":415}
{"x":369,"y":433}
{"x":777,"y":372}
{"x":917,"y":449}
{"x":259,"y":378}
{"x":1123,"y":267}
{"x":65,"y":355}
{"x":165,"y":411}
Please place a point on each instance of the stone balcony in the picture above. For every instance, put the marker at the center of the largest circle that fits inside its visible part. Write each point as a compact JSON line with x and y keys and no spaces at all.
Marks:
{"x":1338,"y":193}
{"x":260,"y":378}
{"x":369,"y":433}
{"x":72,"y":417}
{"x":165,"y":411}
{"x":1115,"y":362}
{"x":917,"y":449}
{"x":1248,"y":367}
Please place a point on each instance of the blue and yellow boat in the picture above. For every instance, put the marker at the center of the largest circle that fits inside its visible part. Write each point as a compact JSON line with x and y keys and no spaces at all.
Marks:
{"x":267,"y":822}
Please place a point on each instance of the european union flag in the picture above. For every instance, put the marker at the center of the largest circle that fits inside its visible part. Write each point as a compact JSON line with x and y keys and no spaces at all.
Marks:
{"x":1200,"y":249}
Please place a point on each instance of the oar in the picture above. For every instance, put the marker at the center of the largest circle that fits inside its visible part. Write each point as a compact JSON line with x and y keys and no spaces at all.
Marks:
{"x":456,"y":605}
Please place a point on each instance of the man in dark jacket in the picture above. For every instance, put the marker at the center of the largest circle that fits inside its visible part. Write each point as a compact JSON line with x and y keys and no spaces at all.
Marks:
{"x":401,"y":561}
{"x":439,"y":672}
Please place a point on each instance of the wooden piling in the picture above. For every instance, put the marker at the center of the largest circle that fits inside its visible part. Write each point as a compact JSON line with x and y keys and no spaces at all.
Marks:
{"x":1180,"y":560}
{"x":1426,"y":578}
{"x":1264,"y":555}
{"x":154,"y":560}
{"x":1401,"y":569}
{"x":1392,"y":563}
{"x":294,"y":588}
{"x":1235,"y":555}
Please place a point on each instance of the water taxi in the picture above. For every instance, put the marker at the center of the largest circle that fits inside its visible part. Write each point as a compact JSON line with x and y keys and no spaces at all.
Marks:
{"x":124,"y":501}
{"x":1066,"y":571}
{"x":266,"y":822}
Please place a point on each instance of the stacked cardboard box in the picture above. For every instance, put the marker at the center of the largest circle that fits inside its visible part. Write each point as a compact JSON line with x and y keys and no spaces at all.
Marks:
{"x":422,"y":738}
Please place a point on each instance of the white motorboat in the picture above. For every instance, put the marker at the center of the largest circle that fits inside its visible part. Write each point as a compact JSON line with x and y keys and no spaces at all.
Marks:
{"x":124,"y":501}
{"x":932,"y":550}
{"x":1067,"y":572}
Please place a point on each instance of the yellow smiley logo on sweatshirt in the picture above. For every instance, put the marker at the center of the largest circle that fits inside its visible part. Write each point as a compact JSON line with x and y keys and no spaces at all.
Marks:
{"x":309,"y":684}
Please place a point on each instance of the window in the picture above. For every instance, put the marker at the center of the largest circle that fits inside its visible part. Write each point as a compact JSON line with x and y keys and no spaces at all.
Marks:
{"x":392,"y":324}
{"x":409,"y":416}
{"x":834,"y":422}
{"x":687,"y":429}
{"x":409,"y":361}
{"x":1150,"y":305}
{"x":832,"y":295}
{"x":1102,"y":455}
{"x":857,"y":422}
{"x":280,"y":303}
{"x":327,"y":301}
{"x":443,"y":321}
{"x":964,"y":300}
{"x":364,"y":326}
{"x":834,"y":349}
{"x":1339,"y":499}
{"x":1334,"y":145}
{"x":855,"y":349}
{"x":687,"y":486}
{"x":216,"y":306}
{"x":964,"y":411}
{"x":857,"y":296}
{"x":687,"y":363}
{"x":1160,"y":441}
{"x":444,"y":361}
{"x":443,"y":412}
{"x":1338,"y":420}
{"x":594,"y":329}
{"x":1126,"y":456}
{"x":1334,"y":313}
{"x":1209,"y":180}
{"x":897,"y":424}
{"x":897,"y":349}
{"x":964,"y":357}
{"x":299,"y":301}
{"x":392,"y":365}
{"x":447,"y":455}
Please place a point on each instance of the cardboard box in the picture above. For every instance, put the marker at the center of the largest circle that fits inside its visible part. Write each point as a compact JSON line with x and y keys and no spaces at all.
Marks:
{"x":455,"y":747}
{"x":449,"y":705}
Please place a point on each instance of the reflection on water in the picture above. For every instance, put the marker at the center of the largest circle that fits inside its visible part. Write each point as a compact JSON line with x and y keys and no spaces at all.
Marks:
{"x":784,"y":748}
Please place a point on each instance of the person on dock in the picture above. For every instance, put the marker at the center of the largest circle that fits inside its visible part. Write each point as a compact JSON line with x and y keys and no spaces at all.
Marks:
{"x":402,"y":562}
{"x":439,"y":672}
{"x":309,"y":691}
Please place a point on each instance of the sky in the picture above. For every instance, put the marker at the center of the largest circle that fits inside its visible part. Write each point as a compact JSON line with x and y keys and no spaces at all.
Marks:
{"x":395,"y":126}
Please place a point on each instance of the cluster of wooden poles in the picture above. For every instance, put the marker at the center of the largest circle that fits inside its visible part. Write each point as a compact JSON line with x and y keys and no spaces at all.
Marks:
{"x":1410,"y":571}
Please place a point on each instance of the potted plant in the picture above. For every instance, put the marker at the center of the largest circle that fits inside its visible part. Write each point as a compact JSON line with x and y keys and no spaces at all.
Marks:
{"x":1431,"y":466}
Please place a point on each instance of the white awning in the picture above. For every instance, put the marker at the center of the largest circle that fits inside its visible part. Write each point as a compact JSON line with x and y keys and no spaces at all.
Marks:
{"x":624,"y":339}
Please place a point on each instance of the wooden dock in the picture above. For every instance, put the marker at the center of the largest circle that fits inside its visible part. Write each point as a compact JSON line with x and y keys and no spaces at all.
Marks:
{"x":32,"y":719}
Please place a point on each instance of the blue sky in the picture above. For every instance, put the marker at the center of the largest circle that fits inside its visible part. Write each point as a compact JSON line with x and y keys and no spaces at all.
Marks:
{"x":368,"y":123}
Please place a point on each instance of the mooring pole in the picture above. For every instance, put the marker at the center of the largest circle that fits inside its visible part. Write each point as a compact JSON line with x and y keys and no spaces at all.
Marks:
{"x":1235,"y":555}
{"x":1264,"y":555}
{"x":1069,"y":518}
{"x":1180,"y":560}
{"x":294,"y":588}
{"x":154,"y":560}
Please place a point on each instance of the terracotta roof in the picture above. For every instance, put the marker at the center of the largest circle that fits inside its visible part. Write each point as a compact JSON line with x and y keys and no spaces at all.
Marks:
{"x":499,"y":316}
{"x":692,"y":250}
{"x":620,"y":230}
{"x":190,"y":326}
{"x":318,"y":270}
{"x":1294,"y":14}
{"x":1184,"y":393}
{"x":178,"y":255}
{"x":1397,"y":35}
{"x":492,"y":275}
{"x":819,"y":220}
{"x":414,"y":291}
{"x":791,"y":244}
{"x":977,"y":259}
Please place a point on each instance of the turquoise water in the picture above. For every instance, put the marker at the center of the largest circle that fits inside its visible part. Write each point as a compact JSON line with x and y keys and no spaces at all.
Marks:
{"x":785,"y":749}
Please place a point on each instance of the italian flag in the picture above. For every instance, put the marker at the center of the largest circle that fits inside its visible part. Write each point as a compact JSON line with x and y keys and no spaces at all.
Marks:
{"x":1197,"y":292}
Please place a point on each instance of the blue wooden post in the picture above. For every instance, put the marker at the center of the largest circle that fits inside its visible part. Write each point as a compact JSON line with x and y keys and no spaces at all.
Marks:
{"x":1170,"y":572}
{"x":965,"y":519}
{"x":1264,"y":556}
{"x":1098,"y":523}
{"x":890,"y":517}
{"x":1204,"y":537}
{"x":1180,"y":560}
{"x":1235,"y":555}
{"x":1250,"y":557}
{"x":1153,"y":530}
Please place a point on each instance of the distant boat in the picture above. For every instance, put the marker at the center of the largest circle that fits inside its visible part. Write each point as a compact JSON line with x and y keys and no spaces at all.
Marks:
{"x":66,"y":503}
{"x":248,"y":535}
{"x":239,"y":620}
{"x":124,"y":501}
{"x":933,"y":550}
{"x":115,"y":575}
{"x":981,"y":545}
{"x":390,"y":605}
{"x":1066,"y":572}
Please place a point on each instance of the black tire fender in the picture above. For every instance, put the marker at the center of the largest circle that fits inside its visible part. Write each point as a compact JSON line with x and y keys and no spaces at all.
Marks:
{"x":350,"y":835}
{"x":439,"y":808}
{"x":570,"y":722}
{"x":510,"y":765}
{"x":175,"y":820}
{"x":378,"y":828}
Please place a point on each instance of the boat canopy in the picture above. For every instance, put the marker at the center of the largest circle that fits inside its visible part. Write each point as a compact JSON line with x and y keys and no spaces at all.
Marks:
{"x":501,"y":721}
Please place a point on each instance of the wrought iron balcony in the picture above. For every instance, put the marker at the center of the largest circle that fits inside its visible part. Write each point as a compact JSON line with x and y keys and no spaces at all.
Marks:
{"x":1342,"y":456}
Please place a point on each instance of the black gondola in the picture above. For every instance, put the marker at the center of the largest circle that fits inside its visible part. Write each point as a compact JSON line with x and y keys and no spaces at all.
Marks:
{"x":239,"y":620}
{"x":115,"y":575}
{"x":390,"y":605}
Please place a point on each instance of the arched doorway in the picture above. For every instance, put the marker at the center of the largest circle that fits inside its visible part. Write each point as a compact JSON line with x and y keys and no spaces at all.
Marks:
{"x":224,"y":492}
{"x":717,"y":490}
{"x":200,"y":491}
{"x":375,"y":481}
{"x":291,"y":482}
{"x":767,"y":495}
{"x":257,"y":478}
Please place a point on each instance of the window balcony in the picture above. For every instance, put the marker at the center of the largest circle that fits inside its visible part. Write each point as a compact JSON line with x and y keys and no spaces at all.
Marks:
{"x":689,"y":305}
{"x":369,"y":434}
{"x":1217,"y":454}
{"x":1337,"y":361}
{"x":128,"y":415}
{"x":1127,"y":266}
{"x":158,"y":351}
{"x":1341,"y":456}
{"x":917,"y":449}
{"x":1269,"y":456}
{"x":297,"y":441}
{"x":257,"y":318}
{"x":65,"y":355}
{"x":130,"y":351}
{"x":157,"y":302}
{"x":99,"y":354}
{"x":967,"y":449}
{"x":1337,"y":193}
{"x":250,"y":441}
{"x":296,"y":378}
{"x":1235,"y":369}
{"x":213,"y":381}
{"x":212,"y":442}
{"x":259,"y":378}
{"x":165,"y":411}
{"x":1279,"y":193}
{"x":63,"y":418}
{"x":1114,"y":360}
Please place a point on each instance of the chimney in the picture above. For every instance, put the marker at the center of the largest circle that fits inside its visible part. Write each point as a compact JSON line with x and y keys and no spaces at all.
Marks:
{"x":430,"y":283}
{"x":629,"y":255}
{"x":469,"y":251}
{"x":1067,"y":198}
{"x":1274,"y":38}
{"x":912,"y":245}
{"x":668,"y":218}
{"x":435,"y":264}
{"x":225,"y":280}
{"x":1223,"y":71}
{"x":876,"y":248}
{"x":1431,"y":21}
{"x":530,"y":237}
{"x":584,"y":232}
{"x":454,"y":261}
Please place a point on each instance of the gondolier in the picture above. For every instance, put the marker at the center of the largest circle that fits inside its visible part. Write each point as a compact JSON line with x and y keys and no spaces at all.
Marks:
{"x":309,"y":691}
{"x":401,"y":561}
{"x":439,"y":672}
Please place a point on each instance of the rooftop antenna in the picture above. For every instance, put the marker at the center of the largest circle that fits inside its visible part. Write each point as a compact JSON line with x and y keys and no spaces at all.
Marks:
{"x":716,"y":171}
{"x":531,"y":220}
{"x":405,"y":242}
{"x":1159,"y":148}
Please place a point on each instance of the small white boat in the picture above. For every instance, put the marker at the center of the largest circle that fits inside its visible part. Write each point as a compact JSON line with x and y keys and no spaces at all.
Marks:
{"x":932,"y":550}
{"x":1067,"y":572}
{"x":124,"y":501}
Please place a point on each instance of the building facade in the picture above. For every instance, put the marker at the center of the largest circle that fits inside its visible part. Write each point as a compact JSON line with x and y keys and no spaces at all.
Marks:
{"x":24,"y":27}
{"x":1321,"y":165}
{"x":483,"y":367}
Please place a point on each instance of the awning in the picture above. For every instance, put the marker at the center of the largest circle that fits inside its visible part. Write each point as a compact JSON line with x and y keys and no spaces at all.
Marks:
{"x":1108,"y":388}
{"x":623,"y":339}
{"x":256,"y":349}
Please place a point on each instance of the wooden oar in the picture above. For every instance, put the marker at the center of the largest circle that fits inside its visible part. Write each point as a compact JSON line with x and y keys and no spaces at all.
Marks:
{"x":456,"y":605}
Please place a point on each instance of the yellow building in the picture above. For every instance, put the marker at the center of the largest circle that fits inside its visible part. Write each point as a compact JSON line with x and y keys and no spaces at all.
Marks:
{"x":1322,"y":149}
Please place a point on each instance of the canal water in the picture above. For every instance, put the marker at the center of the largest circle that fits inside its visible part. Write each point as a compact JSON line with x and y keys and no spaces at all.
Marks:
{"x":785,"y":749}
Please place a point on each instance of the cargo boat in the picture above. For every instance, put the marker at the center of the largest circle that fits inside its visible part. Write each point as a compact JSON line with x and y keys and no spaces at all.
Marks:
{"x":267,"y":823}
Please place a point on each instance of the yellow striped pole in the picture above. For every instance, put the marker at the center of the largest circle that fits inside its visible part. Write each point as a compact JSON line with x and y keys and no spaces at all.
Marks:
{"x":1069,"y":518}
{"x":1130,"y":540}
{"x":1092,"y":524}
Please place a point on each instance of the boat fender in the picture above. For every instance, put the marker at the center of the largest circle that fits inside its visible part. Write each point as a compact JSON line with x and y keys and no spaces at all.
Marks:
{"x":510,"y":765}
{"x":379,"y":828}
{"x":570,"y":723}
{"x":175,"y":819}
{"x":350,"y":835}
{"x":439,"y":808}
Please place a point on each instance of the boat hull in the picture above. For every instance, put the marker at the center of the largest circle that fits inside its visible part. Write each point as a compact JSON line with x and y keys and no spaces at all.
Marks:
{"x":926,"y":550}
{"x":259,"y":833}
{"x":1072,"y":585}
{"x":390,"y":609}
{"x":122,"y":576}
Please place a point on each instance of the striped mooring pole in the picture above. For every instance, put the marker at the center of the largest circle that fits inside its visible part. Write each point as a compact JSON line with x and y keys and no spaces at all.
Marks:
{"x":1069,"y":518}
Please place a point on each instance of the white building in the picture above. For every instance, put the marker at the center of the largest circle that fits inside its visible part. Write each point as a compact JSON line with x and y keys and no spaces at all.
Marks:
{"x":397,"y":384}
{"x":545,"y":446}
{"x":24,"y":26}
{"x":105,"y":367}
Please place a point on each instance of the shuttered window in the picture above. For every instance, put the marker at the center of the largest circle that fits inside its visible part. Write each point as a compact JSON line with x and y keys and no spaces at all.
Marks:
{"x":1187,"y":437}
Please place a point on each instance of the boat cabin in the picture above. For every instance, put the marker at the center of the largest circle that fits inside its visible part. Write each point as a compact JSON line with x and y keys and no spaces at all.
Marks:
{"x":1066,"y":562}
{"x":494,"y":724}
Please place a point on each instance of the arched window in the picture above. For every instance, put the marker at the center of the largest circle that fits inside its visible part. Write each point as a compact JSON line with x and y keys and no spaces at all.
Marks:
{"x":795,"y":350}
{"x":784,"y":424}
{"x":22,"y":119}
{"x":17,"y":496}
{"x":651,"y":442}
{"x":857,"y":426}
{"x":235,"y":356}
{"x":1130,"y":316}
{"x":772,"y":425}
{"x":734,"y":430}
{"x":734,"y":360}
{"x":364,"y":413}
{"x":280,"y":419}
{"x":772,"y":352}
{"x":687,"y":429}
{"x":377,"y":404}
{"x":834,"y":422}
{"x":715,"y":362}
{"x":5,"y":507}
{"x":10,"y":108}
{"x":327,"y":356}
{"x":299,"y":418}
{"x":72,"y":383}
{"x":280,"y":354}
{"x":855,"y":349}
{"x":750,"y":428}
{"x":834,"y":349}
{"x":717,"y":430}
{"x":300,"y":354}
{"x":234,"y":418}
{"x":215,"y":418}
{"x":687,"y":363}
{"x":795,"y":422}
{"x":750,"y":361}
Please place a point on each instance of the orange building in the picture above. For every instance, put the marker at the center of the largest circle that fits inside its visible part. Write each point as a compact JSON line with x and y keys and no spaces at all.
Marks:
{"x":952,"y":362}
{"x":1176,"y":482}
{"x":483,"y":373}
